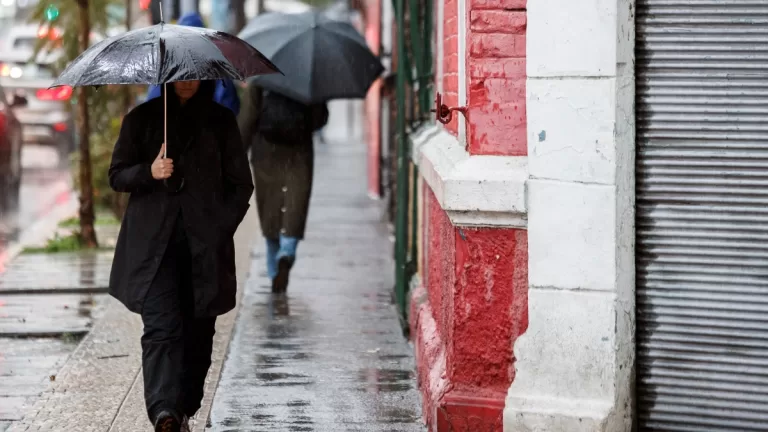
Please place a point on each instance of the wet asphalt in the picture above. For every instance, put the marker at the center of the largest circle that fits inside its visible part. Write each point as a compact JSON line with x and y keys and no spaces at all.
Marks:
{"x":44,"y":182}
{"x":330,"y":355}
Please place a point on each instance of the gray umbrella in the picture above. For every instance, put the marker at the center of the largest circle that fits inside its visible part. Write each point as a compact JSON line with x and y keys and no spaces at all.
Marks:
{"x":322,"y":58}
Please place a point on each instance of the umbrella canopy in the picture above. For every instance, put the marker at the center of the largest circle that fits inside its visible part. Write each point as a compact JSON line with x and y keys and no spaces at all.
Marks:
{"x":324,"y":58}
{"x":165,"y":53}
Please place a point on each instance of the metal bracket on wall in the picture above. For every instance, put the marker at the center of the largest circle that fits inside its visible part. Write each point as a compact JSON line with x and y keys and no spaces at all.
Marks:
{"x":443,"y":112}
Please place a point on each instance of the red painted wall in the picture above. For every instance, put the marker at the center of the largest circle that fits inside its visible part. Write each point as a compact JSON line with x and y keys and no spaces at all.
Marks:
{"x":496,"y":74}
{"x":489,"y":307}
{"x":472,"y":305}
{"x":465,"y":319}
{"x":496,"y":77}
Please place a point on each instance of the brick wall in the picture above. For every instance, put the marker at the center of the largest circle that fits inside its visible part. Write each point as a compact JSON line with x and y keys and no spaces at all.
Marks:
{"x":496,"y":77}
{"x":450,"y":46}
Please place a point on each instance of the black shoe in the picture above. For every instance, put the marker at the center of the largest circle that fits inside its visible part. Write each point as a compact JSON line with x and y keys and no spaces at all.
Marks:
{"x":166,"y":422}
{"x":280,"y":282}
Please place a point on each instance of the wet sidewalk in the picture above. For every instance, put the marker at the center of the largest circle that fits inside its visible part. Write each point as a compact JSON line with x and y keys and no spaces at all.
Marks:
{"x":330,"y":356}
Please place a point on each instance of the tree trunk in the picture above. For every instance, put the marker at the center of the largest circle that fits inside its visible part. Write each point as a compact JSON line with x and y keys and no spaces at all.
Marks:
{"x":237,"y":7}
{"x":87,"y":231}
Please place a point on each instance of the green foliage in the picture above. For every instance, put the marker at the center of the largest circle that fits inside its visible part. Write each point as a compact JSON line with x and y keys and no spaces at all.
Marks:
{"x":104,"y":104}
{"x":68,"y":243}
{"x":70,"y":338}
{"x":102,"y":219}
{"x":67,"y":20}
{"x":102,"y":143}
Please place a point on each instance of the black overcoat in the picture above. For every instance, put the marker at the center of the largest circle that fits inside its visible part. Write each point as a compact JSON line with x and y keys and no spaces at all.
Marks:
{"x":205,"y":144}
{"x":282,"y":171}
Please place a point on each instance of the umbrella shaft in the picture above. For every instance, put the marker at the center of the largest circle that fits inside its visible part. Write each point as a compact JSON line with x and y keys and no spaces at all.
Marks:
{"x":165,"y":120}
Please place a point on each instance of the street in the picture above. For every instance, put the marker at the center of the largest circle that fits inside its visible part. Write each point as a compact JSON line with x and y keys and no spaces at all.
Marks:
{"x":44,"y":184}
{"x":330,"y":354}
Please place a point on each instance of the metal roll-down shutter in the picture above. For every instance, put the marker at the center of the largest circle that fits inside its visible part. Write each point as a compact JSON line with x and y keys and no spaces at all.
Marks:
{"x":702,"y":215}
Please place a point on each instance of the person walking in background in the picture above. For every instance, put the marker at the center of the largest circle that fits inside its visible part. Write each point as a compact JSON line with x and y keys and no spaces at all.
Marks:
{"x":225,"y":92}
{"x":175,"y":260}
{"x":280,"y":133}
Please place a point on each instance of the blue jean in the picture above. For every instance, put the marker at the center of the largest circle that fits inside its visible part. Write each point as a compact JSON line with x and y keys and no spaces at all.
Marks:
{"x":277,"y":249}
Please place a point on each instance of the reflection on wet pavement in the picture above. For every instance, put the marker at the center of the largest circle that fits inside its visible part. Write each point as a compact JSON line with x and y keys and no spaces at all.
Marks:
{"x":329,"y":356}
{"x":53,"y":273}
{"x":304,"y":363}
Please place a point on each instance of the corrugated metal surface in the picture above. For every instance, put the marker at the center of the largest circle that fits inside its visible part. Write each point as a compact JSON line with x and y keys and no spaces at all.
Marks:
{"x":702,"y":215}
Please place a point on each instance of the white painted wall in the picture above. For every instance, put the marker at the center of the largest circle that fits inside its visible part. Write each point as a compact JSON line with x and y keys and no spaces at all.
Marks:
{"x":576,"y":360}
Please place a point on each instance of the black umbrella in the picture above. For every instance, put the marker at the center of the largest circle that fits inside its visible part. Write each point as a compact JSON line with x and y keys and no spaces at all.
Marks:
{"x":323,"y":58}
{"x":165,"y":53}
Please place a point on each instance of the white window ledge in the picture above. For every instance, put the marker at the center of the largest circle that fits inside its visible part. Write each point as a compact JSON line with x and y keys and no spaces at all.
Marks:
{"x":474,"y":190}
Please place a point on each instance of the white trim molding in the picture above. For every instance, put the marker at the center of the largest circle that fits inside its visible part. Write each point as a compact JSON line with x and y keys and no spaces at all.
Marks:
{"x":474,"y":190}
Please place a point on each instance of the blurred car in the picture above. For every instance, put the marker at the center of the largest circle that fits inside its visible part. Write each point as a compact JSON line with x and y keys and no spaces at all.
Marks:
{"x":46,"y":118}
{"x":10,"y":150}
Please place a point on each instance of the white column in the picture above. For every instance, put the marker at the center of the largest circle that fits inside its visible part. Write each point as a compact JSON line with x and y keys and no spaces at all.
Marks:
{"x":575,"y":362}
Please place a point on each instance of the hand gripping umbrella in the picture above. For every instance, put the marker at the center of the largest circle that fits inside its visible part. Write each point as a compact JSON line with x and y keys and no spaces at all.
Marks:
{"x":162,"y":54}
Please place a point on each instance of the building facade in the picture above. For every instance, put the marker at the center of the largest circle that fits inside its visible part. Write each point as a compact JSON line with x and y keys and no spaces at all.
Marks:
{"x":585,"y":243}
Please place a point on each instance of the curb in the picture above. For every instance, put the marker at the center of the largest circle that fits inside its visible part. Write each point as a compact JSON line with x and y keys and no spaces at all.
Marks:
{"x":28,"y":291}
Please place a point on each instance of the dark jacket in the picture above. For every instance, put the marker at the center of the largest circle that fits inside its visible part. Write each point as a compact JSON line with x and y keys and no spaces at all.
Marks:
{"x":225,"y":93}
{"x":282,"y":170}
{"x":205,"y":145}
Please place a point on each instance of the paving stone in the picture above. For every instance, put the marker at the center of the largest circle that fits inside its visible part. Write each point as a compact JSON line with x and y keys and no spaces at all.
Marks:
{"x":49,"y":315}
{"x":12,"y":407}
{"x":91,"y":387}
{"x":56,"y":273}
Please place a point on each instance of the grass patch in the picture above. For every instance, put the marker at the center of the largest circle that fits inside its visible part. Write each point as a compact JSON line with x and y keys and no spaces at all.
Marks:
{"x":101,"y":220}
{"x":59,"y":244}
{"x":68,"y":243}
{"x":72,"y":338}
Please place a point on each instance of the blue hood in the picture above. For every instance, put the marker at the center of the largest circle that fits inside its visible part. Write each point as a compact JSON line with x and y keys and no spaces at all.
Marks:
{"x":191,"y":19}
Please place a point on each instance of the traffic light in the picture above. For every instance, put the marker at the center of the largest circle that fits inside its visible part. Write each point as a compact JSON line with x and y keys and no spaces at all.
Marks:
{"x":51,"y":13}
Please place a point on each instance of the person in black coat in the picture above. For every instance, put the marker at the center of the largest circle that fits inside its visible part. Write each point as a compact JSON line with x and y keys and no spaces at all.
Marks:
{"x":174,"y":263}
{"x":280,"y":133}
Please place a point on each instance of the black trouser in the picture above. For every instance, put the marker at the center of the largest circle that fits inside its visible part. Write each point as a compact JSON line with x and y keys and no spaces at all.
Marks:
{"x":176,"y":346}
